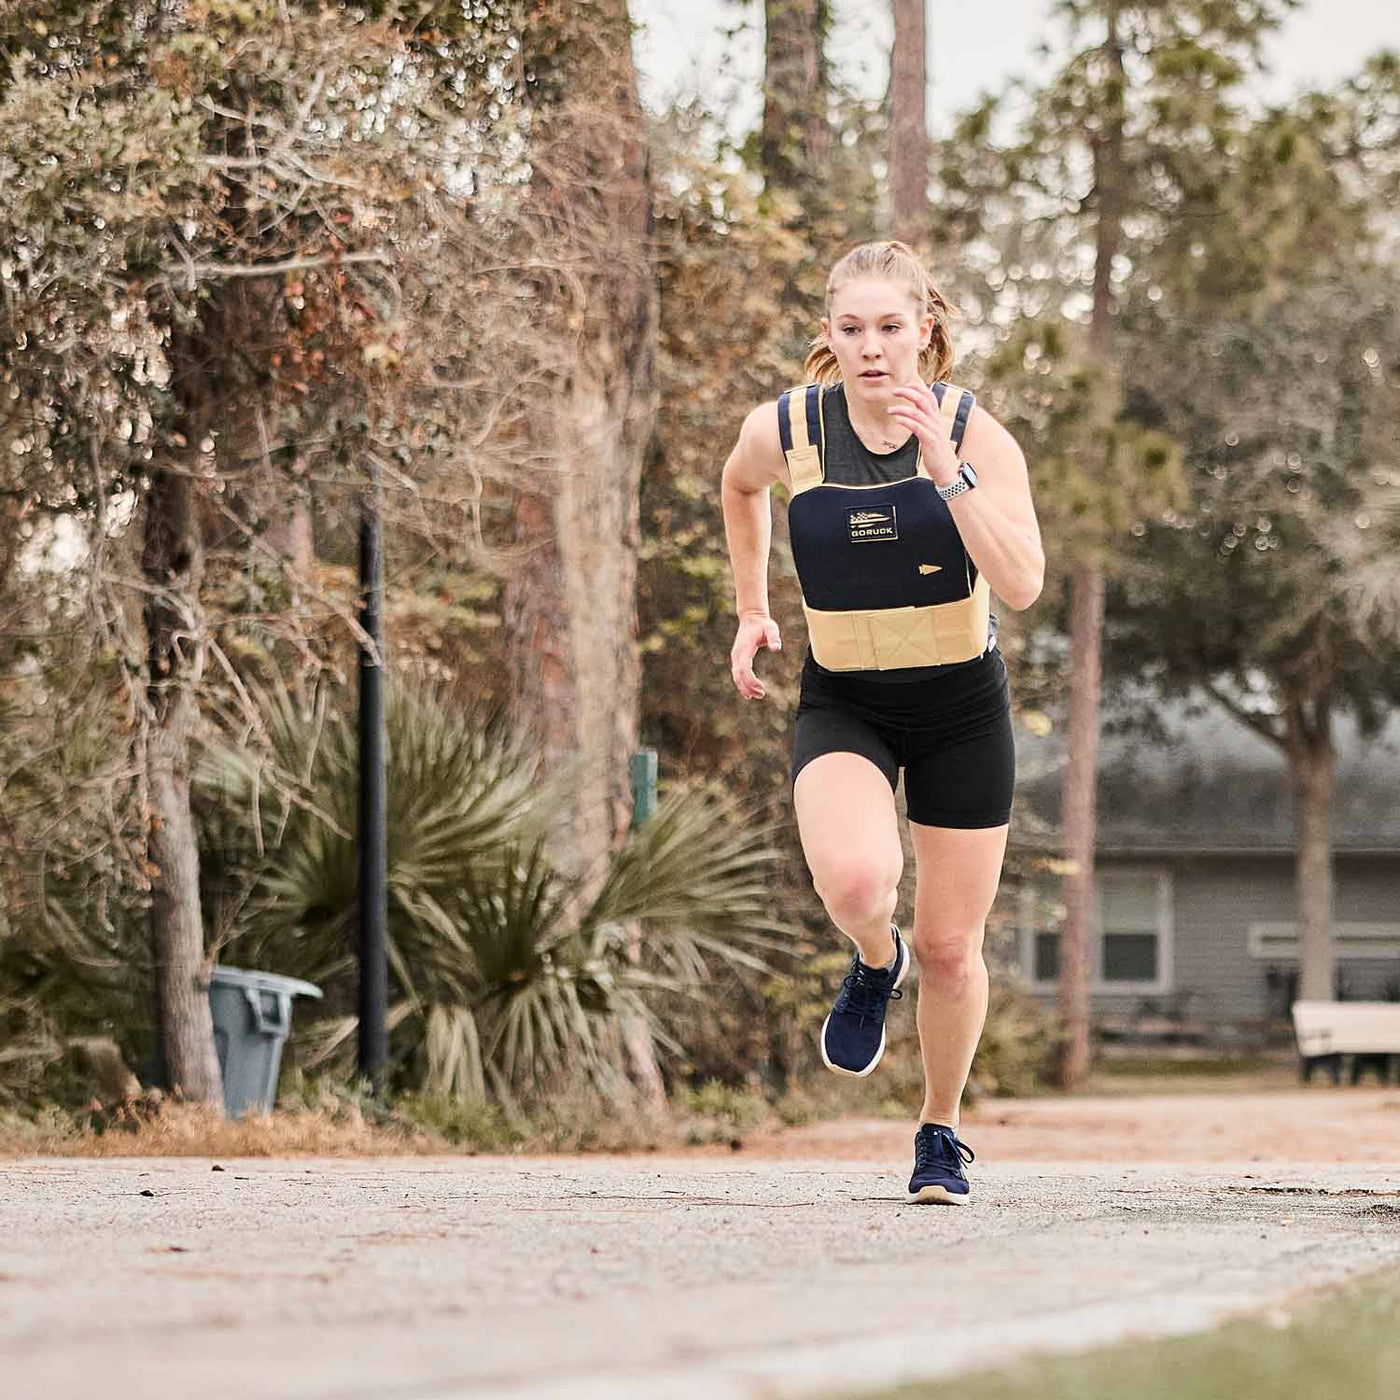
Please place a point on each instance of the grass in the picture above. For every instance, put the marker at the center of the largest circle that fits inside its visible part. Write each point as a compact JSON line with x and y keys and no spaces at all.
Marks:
{"x":325,"y":1118}
{"x":1345,"y":1347}
{"x":322,"y":1118}
{"x":319,"y":1116}
{"x":1136,"y":1065}
{"x":192,"y":1130}
{"x":1155,"y":1072}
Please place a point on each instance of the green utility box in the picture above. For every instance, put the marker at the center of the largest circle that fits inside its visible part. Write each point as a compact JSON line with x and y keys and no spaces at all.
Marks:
{"x":643,"y":786}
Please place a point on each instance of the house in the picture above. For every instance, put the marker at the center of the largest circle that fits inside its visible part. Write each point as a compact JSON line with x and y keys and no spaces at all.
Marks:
{"x":1196,"y":901}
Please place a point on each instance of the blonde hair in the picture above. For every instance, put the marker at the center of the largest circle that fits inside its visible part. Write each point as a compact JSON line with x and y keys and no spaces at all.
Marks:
{"x":899,"y":263}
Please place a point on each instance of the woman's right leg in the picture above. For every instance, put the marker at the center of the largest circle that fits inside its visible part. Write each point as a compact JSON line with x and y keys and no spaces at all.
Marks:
{"x":850,"y":837}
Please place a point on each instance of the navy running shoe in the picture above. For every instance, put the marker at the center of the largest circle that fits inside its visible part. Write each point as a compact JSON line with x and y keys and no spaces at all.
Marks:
{"x":853,"y":1034}
{"x":938,"y":1166}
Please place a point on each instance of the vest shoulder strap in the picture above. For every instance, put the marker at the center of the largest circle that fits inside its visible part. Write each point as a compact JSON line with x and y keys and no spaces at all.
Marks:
{"x":803,"y":435}
{"x":956,"y":405}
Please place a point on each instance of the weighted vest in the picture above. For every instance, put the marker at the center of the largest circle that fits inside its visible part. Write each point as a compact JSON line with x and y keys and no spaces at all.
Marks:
{"x":886,"y":582}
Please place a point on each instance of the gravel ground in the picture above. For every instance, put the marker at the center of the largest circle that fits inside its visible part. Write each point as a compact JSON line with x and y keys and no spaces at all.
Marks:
{"x":452,"y":1279}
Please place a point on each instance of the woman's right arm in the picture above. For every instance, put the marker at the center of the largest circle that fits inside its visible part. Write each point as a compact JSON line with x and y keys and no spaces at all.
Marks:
{"x":753,"y":466}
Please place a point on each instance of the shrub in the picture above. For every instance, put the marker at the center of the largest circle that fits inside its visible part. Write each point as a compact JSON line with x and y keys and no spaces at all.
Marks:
{"x":499,"y":981}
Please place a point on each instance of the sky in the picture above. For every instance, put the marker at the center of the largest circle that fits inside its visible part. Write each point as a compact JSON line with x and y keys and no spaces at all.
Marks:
{"x":681,"y":48}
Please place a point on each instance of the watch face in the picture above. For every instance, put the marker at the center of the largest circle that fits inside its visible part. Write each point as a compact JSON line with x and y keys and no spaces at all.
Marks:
{"x":968,"y":473}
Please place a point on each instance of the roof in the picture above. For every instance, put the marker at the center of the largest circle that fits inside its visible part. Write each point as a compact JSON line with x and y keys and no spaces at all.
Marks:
{"x":1194,"y":778}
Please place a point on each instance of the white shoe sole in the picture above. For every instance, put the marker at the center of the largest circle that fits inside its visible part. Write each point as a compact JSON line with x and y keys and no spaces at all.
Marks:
{"x":879,"y":1054}
{"x":936,"y":1195}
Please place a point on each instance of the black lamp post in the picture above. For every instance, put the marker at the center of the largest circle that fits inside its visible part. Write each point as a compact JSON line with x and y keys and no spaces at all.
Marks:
{"x":373,"y":830}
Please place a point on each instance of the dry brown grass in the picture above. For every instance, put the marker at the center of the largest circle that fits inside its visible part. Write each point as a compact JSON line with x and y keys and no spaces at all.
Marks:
{"x":344,"y":1127}
{"x":193,"y":1130}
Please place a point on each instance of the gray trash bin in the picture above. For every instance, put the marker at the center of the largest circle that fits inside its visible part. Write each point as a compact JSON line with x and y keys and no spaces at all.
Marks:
{"x":252,"y":1016}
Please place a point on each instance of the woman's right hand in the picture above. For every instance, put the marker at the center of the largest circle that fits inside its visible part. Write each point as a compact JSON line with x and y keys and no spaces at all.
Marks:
{"x":755,"y":630}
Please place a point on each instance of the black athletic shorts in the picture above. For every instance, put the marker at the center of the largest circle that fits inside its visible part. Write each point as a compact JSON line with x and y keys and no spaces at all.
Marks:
{"x":951,"y":733}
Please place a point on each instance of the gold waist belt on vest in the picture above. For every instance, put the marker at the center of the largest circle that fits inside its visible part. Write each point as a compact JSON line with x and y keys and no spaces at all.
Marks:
{"x":886,"y":639}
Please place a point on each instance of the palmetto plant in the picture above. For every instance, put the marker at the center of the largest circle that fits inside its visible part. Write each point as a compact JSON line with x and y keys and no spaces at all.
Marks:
{"x":74,"y":936}
{"x":501,"y":980}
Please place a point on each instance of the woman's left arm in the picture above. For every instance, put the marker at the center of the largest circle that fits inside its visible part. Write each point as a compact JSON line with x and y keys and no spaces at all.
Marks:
{"x":997,"y":518}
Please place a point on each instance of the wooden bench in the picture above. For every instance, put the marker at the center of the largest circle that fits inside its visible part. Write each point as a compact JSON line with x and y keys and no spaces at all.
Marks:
{"x":1368,"y":1031}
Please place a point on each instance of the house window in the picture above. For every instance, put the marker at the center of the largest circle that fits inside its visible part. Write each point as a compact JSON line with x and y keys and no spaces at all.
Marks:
{"x":1130,"y":940}
{"x":1129,"y":957}
{"x":1127,"y":924}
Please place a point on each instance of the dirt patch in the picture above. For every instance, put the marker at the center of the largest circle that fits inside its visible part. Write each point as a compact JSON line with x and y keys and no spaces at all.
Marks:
{"x":1316,"y":1124}
{"x":1319,"y":1123}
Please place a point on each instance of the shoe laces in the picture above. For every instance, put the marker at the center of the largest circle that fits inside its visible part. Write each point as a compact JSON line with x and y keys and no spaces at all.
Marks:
{"x":865,"y":990}
{"x":936,"y":1146}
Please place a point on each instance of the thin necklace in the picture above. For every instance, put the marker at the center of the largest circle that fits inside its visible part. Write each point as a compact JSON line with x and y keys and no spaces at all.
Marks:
{"x":887,"y":444}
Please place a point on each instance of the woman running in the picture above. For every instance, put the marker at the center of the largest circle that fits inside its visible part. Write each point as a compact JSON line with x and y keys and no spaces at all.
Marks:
{"x":909,"y":505}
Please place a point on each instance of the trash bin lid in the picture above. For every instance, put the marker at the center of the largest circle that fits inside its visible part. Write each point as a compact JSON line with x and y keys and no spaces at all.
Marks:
{"x":264,"y":981}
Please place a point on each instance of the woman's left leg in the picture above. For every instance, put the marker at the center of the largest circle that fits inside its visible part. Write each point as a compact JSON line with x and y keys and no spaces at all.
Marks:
{"x":958,"y":874}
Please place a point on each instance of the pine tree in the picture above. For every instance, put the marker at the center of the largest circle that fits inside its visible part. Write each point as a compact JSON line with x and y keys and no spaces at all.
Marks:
{"x":1120,"y":145}
{"x":909,"y":148}
{"x":1275,"y":332}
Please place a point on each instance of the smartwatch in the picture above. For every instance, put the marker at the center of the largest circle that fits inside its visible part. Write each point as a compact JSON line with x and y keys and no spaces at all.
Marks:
{"x":965,"y":480}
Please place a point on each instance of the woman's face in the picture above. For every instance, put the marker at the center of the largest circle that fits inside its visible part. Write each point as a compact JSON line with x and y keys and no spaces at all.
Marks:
{"x":876,"y":332}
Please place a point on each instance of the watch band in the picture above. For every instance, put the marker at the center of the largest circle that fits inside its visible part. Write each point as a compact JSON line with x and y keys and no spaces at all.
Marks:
{"x":958,"y":485}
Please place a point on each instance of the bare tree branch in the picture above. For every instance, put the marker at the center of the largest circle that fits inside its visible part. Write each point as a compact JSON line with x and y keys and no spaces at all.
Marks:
{"x":1260,"y":724}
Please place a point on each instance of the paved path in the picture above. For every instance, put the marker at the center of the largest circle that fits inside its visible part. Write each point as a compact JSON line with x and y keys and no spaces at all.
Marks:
{"x":460,"y":1279}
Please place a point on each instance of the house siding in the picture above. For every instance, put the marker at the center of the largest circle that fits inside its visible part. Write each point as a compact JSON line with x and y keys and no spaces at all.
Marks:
{"x":1215,"y":899}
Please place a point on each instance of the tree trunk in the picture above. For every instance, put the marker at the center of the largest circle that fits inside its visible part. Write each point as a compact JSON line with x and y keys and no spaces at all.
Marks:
{"x":1078,"y":813}
{"x":536,"y":617}
{"x":909,"y":122}
{"x":14,"y":508}
{"x":15,"y":505}
{"x":265,"y":508}
{"x":290,"y":536}
{"x":795,"y":139}
{"x":570,"y":606}
{"x":1313,"y":760}
{"x":172,"y":563}
{"x":570,"y":615}
{"x":1086,"y":623}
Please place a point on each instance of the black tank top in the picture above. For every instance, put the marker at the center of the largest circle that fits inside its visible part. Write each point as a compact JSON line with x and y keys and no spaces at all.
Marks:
{"x":847,"y":461}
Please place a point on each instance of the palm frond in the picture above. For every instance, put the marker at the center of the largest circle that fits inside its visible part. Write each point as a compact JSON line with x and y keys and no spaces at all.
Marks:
{"x":452,"y":1051}
{"x":513,"y":916}
{"x":701,"y":861}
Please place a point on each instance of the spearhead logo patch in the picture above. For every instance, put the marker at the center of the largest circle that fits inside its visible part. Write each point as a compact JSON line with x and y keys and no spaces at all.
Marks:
{"x":868,"y":524}
{"x":930,"y":568}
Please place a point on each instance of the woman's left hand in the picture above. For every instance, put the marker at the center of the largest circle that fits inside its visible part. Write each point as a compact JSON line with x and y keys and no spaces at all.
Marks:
{"x":918,"y":410}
